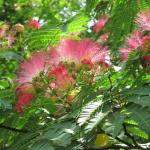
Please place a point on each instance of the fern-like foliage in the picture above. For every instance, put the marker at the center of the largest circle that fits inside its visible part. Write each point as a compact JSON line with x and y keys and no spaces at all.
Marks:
{"x":88,"y":111}
{"x":140,"y":115}
{"x":95,"y":120}
{"x":138,"y":132}
{"x":44,"y":37}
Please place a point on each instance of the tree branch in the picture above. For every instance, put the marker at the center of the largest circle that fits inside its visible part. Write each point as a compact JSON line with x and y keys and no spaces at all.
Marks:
{"x":107,"y":147}
{"x":119,"y":146}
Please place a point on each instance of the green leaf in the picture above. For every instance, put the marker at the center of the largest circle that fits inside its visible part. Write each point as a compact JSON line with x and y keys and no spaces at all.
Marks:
{"x":140,"y":115}
{"x":42,"y":145}
{"x":43,"y":37}
{"x":94,"y":121}
{"x":114,"y":124}
{"x":10,"y":55}
{"x":24,"y":141}
{"x":43,"y":102}
{"x":60,"y":133}
{"x":77,"y":24}
{"x":88,"y":111}
{"x":138,"y":132}
{"x":144,"y":90}
{"x":4,"y":104}
{"x":141,"y":100}
{"x":130,"y":121}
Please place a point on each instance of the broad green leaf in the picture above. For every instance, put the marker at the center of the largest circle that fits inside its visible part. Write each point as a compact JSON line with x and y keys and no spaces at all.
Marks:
{"x":59,"y":134}
{"x":77,"y":24}
{"x":42,"y":145}
{"x":10,"y":55}
{"x":141,"y":100}
{"x":4,"y":104}
{"x":114,"y":124}
{"x":144,"y":90}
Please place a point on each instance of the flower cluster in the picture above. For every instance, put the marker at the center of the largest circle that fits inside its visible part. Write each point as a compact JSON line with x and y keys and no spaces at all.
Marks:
{"x":58,"y":71}
{"x":100,"y":23}
{"x":34,"y":23}
{"x":9,"y":34}
{"x":139,"y":39}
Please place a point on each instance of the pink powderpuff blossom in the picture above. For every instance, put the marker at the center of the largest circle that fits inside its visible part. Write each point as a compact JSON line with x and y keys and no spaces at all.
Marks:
{"x":23,"y":100}
{"x":53,"y":56}
{"x":34,"y":23}
{"x":67,"y":50}
{"x":102,"y":57}
{"x":100,"y":23}
{"x":135,"y":40}
{"x":80,"y":51}
{"x":102,"y":39}
{"x":29,"y":69}
{"x":2,"y":32}
{"x":62,"y":79}
{"x":143,"y":20}
{"x":11,"y":39}
{"x":124,"y":52}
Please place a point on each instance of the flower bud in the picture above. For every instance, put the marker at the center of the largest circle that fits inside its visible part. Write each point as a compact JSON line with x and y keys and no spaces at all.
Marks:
{"x":19,"y":27}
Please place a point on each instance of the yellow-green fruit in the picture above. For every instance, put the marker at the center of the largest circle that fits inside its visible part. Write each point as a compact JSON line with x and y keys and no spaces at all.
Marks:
{"x":101,"y":140}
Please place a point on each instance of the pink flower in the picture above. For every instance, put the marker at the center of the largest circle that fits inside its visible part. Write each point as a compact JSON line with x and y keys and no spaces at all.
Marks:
{"x":100,"y":23}
{"x":2,"y":32}
{"x":102,"y":57}
{"x":53,"y":56}
{"x":29,"y":69}
{"x":67,"y":50}
{"x":102,"y":39}
{"x":34,"y":23}
{"x":62,"y":79}
{"x":135,"y":40}
{"x":143,"y":20}
{"x":79,"y":51}
{"x":23,"y":100}
{"x":11,"y":39}
{"x":124,"y":52}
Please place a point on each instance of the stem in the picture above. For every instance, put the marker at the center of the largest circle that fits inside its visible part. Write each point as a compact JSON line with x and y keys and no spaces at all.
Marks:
{"x":110,"y":147}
